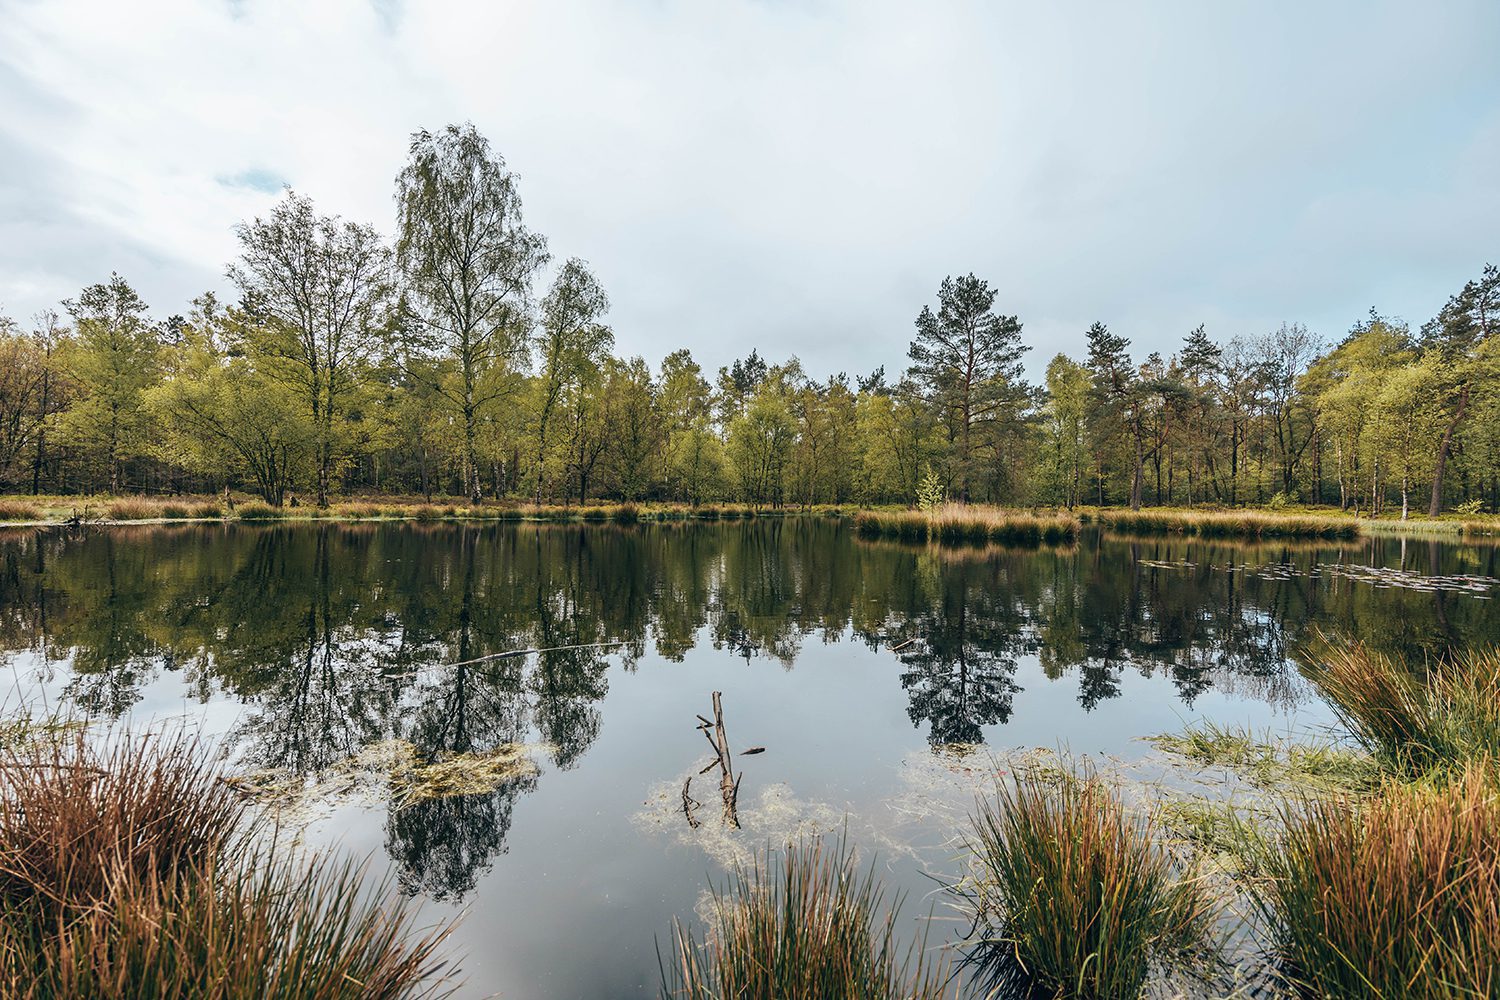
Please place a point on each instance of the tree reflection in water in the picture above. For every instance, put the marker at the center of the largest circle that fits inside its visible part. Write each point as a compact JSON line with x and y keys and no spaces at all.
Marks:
{"x":336,"y":636}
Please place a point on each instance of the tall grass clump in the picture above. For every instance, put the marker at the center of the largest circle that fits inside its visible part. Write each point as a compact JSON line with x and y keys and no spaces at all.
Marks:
{"x":129,"y":869}
{"x":19,"y":510}
{"x":132,"y":510}
{"x":257,"y":510}
{"x":957,"y":524}
{"x":1413,"y":724}
{"x":814,"y":926}
{"x":1227,"y":524}
{"x":1078,"y":899}
{"x":1396,"y":897}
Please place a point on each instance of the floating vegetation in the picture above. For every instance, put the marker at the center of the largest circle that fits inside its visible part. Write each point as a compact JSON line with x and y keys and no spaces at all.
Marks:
{"x":1270,"y":764}
{"x":812,"y":925}
{"x":1166,"y":564}
{"x":1231,"y":834}
{"x":1384,"y":576}
{"x":392,"y":771}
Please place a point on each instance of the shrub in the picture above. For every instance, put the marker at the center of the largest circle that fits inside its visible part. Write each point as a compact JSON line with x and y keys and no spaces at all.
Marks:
{"x":625,"y":513}
{"x":816,"y":927}
{"x":1397,"y":897}
{"x":1078,"y":899}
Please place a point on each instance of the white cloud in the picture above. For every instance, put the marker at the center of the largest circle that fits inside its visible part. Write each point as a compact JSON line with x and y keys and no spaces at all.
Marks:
{"x":792,"y":176}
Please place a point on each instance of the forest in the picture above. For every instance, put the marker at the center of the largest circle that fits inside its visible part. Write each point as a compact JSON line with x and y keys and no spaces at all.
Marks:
{"x":439,"y":362}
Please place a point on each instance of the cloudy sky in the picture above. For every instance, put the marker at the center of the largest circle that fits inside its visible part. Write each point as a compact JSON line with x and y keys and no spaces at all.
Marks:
{"x":794,"y":176}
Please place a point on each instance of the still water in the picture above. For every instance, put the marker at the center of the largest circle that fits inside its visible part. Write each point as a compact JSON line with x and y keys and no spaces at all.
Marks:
{"x":868,"y":671}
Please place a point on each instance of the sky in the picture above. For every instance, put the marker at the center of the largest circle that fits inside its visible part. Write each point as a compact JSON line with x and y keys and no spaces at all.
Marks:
{"x":796,"y":177}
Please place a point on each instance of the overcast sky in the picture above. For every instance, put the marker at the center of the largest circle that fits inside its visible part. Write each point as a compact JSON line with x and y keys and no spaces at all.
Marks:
{"x":793,"y":176}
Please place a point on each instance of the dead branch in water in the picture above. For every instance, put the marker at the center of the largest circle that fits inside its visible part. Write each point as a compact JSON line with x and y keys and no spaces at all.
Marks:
{"x":687,"y":804}
{"x":729,"y":786}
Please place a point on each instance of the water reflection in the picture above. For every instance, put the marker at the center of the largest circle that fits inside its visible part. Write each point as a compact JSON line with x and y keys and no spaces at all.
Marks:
{"x":333,"y":637}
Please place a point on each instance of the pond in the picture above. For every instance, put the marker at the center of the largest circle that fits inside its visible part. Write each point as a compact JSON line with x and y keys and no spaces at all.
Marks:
{"x":869,"y":671}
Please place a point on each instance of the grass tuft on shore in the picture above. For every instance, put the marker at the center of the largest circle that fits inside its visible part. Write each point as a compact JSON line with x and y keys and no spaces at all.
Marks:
{"x":1395,"y":897}
{"x":128,"y":868}
{"x":812,"y":926}
{"x":1079,"y":899}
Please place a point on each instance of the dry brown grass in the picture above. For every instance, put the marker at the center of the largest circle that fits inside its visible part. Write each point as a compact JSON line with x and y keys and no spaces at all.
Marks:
{"x":128,"y":869}
{"x":1397,"y":897}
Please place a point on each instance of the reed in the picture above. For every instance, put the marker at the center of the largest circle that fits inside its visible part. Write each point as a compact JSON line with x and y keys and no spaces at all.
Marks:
{"x":814,"y":926}
{"x":19,"y":510}
{"x":1227,"y":524}
{"x":957,"y":524}
{"x":1396,"y":897}
{"x":1413,"y":724}
{"x":130,"y":869}
{"x":1079,"y":900}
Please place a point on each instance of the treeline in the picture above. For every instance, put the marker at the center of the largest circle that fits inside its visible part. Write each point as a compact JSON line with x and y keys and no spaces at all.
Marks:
{"x":437,"y":363}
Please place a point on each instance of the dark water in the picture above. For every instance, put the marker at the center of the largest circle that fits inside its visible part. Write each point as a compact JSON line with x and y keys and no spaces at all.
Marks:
{"x":850,"y":661}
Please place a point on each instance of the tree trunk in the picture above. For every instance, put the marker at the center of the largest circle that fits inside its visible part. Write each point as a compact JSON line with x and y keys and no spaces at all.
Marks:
{"x":1436,"y":505}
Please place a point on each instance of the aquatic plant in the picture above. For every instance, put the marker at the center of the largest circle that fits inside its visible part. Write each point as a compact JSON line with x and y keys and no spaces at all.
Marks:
{"x":964,"y":524}
{"x":1274,"y":764}
{"x":814,"y":926}
{"x":1395,"y":897}
{"x":127,"y":868}
{"x":1444,"y":718}
{"x":1077,"y":898}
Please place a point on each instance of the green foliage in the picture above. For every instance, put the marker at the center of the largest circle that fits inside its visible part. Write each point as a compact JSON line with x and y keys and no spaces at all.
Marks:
{"x":435,"y":366}
{"x":930,"y":491}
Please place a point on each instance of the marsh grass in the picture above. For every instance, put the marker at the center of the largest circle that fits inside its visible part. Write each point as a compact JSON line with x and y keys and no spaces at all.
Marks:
{"x":957,"y":524}
{"x":813,"y":925}
{"x":1227,"y":524}
{"x":128,"y":869}
{"x":19,"y":510}
{"x":1078,"y":898}
{"x":1394,"y":897}
{"x":257,"y":510}
{"x":1442,"y":720}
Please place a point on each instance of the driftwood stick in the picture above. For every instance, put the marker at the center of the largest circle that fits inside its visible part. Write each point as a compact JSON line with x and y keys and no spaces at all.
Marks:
{"x":709,"y":766}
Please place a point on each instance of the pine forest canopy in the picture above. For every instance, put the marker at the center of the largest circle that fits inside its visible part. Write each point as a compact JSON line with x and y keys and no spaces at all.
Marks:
{"x":434,"y":364}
